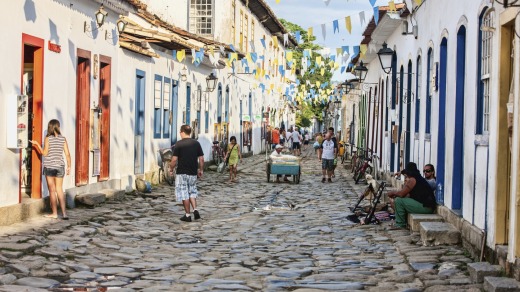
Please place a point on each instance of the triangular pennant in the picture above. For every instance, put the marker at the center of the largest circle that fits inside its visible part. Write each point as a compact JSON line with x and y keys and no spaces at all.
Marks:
{"x":289,"y":55}
{"x":376,"y":15}
{"x":297,"y":35}
{"x":362,"y":17}
{"x":318,"y":60}
{"x":254,"y":57}
{"x":232,"y":47}
{"x":335,"y":26}
{"x":193,"y":55}
{"x":309,"y":33}
{"x":348,"y":24}
{"x":262,"y":40}
{"x":346,"y":49}
{"x":391,"y":5}
{"x":180,"y":55}
{"x":252,"y":44}
{"x":323,"y":30}
{"x":373,"y":2}
{"x":418,"y":2}
{"x":275,"y":41}
{"x":339,"y":51}
{"x":285,"y":39}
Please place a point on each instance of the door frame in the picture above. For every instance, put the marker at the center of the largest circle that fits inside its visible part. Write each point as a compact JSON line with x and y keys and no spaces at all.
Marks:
{"x":37,"y":122}
{"x":82,"y":127}
{"x":105,"y":74}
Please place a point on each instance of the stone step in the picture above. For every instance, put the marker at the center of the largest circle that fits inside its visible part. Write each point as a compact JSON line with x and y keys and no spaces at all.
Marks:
{"x":501,"y":284}
{"x":113,"y":194}
{"x":415,"y":219}
{"x":91,"y":200}
{"x":438,"y":233}
{"x":477,"y":271}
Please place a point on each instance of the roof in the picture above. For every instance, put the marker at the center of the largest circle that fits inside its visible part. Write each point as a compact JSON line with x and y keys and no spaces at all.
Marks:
{"x":367,"y":33}
{"x":268,"y":19}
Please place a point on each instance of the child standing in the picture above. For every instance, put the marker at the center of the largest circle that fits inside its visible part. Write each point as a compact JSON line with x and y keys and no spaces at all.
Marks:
{"x":233,"y":154}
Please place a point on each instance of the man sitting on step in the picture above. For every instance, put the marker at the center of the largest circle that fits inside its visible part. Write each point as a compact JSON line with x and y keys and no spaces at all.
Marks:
{"x":416,"y":196}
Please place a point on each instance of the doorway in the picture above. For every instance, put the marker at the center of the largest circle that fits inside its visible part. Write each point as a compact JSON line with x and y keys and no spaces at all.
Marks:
{"x":104,"y":106}
{"x":32,"y":86}
{"x":458,"y":143}
{"x":82,"y":117}
{"x":441,"y":141}
{"x":139,"y":122}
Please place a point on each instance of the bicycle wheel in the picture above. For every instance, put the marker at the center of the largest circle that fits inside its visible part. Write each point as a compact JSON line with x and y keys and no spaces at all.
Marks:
{"x":161,"y":175}
{"x":353,"y":164}
{"x":169,"y":175}
{"x":360,"y":174}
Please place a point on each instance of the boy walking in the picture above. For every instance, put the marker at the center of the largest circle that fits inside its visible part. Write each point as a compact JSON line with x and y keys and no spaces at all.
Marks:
{"x":189,"y":159}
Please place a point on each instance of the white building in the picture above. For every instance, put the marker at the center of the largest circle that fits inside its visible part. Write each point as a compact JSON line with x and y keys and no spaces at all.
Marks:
{"x":122,"y":96}
{"x":450,"y":100}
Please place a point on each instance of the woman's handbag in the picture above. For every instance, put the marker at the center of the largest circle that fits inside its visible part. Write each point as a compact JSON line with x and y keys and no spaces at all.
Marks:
{"x":229,"y":155}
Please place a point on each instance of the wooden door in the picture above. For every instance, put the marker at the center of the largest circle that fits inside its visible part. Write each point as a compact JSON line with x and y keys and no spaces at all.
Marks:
{"x":82,"y":117}
{"x":104,"y":104}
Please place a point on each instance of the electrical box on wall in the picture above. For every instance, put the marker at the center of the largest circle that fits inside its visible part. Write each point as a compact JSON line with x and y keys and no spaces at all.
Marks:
{"x":17,"y":118}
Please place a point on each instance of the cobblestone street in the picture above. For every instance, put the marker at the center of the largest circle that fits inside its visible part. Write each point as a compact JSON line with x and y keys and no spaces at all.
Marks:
{"x":249,"y":239}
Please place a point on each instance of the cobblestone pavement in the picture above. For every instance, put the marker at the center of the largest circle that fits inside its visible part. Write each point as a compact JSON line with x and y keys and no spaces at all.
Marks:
{"x":139,"y":244}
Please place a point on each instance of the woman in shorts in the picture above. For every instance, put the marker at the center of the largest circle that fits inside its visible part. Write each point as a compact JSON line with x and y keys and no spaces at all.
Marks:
{"x":54,"y":166}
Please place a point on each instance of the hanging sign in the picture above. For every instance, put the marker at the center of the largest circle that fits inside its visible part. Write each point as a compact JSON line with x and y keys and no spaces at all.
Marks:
{"x":246,"y":118}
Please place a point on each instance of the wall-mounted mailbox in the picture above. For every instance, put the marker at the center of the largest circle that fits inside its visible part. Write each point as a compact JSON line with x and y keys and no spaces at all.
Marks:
{"x":17,"y":122}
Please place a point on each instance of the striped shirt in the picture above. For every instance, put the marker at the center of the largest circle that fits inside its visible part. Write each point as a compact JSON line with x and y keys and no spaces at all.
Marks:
{"x":54,"y":158}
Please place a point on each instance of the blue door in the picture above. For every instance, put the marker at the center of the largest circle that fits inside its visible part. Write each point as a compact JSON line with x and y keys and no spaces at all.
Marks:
{"x":441,"y":142}
{"x":174,"y":111}
{"x":139,"y":122}
{"x":458,"y":143}
{"x":188,"y":103}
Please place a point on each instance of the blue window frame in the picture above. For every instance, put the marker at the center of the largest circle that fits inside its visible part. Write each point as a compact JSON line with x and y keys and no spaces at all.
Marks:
{"x":167,"y":111}
{"x":157,"y":102}
{"x":418,"y":88}
{"x":485,"y":49}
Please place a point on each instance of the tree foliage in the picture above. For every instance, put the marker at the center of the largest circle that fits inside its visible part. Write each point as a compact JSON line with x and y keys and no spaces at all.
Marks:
{"x":312,"y":108}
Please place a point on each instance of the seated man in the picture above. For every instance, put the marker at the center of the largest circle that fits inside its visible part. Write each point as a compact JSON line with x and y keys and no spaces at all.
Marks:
{"x":429,"y":175}
{"x":420,"y":196}
{"x":278,"y":153}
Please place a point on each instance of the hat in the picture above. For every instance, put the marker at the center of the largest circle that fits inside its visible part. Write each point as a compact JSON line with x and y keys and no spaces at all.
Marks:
{"x":278,"y":147}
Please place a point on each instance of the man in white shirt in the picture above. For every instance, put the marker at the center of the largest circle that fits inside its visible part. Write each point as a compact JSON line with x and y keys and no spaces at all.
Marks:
{"x":326,"y":156}
{"x":296,"y":141}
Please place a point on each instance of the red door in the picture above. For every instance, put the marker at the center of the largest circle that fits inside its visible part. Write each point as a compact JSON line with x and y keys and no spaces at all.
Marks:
{"x":32,"y":52}
{"x":104,"y":103}
{"x":82,"y":117}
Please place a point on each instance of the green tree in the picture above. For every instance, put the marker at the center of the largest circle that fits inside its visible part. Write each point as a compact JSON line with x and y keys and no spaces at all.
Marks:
{"x":308,"y":110}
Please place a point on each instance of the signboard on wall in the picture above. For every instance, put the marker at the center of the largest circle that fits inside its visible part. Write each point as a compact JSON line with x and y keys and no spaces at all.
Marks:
{"x":246,"y":118}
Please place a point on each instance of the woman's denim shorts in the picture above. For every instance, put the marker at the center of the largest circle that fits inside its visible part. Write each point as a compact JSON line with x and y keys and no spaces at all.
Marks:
{"x":54,"y":172}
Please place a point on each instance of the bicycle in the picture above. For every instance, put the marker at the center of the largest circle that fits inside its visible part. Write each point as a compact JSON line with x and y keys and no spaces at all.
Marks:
{"x":366,"y":167}
{"x":217,"y":153}
{"x":354,"y":161}
{"x":168,"y":174}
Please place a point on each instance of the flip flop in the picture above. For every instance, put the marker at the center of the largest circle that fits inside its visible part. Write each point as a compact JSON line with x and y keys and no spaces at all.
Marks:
{"x":50,"y":216}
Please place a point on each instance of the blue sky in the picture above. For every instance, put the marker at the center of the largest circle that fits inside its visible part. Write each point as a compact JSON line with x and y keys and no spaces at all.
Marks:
{"x":314,"y":13}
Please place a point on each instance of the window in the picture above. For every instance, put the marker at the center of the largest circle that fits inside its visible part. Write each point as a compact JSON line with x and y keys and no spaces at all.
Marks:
{"x":166,"y":108}
{"x":246,"y":31}
{"x":157,"y":97}
{"x":241,"y":39}
{"x":418,"y":95}
{"x":201,"y":17}
{"x":252,"y":31}
{"x":233,"y":22}
{"x":485,"y":51}
{"x":199,"y":107}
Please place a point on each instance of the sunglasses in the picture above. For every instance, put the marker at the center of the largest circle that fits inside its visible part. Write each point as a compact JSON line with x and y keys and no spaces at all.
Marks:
{"x":428,"y":170}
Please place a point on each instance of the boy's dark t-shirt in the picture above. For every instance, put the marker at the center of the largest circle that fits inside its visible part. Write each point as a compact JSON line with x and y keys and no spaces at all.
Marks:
{"x":187,"y":151}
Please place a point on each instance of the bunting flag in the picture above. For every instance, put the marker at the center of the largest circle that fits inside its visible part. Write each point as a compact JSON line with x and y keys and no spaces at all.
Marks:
{"x":373,"y":2}
{"x":297,"y":36}
{"x":356,"y":50}
{"x":348,"y":24}
{"x":262,"y":40}
{"x":345,"y":49}
{"x":363,"y":49}
{"x":326,"y":2}
{"x":285,"y":39}
{"x":180,"y":55}
{"x":362,"y":17}
{"x":391,"y":6}
{"x":335,"y":26}
{"x":232,"y":47}
{"x":193,"y":56}
{"x":339,"y":51}
{"x":289,"y":56}
{"x":222,"y":50}
{"x":323,"y":30}
{"x":309,"y":33}
{"x":376,"y":15}
{"x":322,"y":72}
{"x":254,"y":57}
{"x":252,"y":44}
{"x":277,"y":1}
{"x":418,"y":2}
{"x":275,"y":41}
{"x":318,"y":60}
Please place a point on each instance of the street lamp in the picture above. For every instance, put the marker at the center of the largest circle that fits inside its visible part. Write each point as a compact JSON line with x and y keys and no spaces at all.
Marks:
{"x":362,"y":71}
{"x":211,"y":82}
{"x":347,"y":86}
{"x":121,"y":25}
{"x":385,"y":55}
{"x":101,"y":14}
